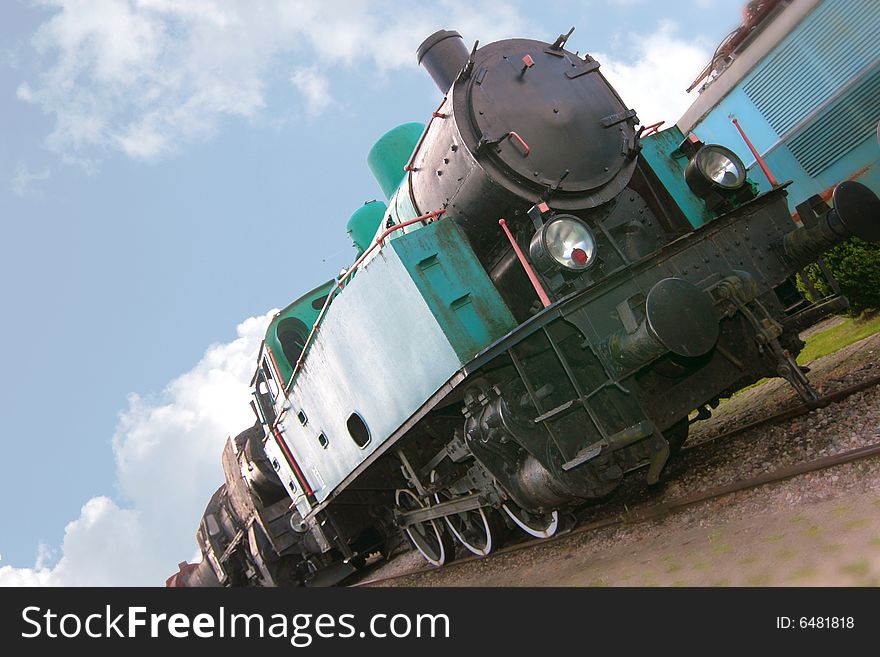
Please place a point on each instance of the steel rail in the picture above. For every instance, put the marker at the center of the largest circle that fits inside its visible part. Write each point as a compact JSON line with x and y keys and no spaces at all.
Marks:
{"x":793,"y":412}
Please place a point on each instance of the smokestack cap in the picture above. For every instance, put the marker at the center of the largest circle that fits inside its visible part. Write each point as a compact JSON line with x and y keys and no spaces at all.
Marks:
{"x":443,"y":54}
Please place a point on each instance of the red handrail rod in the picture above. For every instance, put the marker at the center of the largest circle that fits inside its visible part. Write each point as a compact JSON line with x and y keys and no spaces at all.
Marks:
{"x":651,"y":129}
{"x":770,"y":178}
{"x":434,"y":115}
{"x":542,"y":295}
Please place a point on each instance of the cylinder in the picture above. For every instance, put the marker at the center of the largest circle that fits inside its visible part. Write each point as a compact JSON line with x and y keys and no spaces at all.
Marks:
{"x":540,"y":487}
{"x":391,"y":153}
{"x":856,"y":212}
{"x":443,"y":54}
{"x":632,"y":350}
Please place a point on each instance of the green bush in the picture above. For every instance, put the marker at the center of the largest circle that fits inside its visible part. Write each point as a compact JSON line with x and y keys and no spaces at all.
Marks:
{"x":856,"y":266}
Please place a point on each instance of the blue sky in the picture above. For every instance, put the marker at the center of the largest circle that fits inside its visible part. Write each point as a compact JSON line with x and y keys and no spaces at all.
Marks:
{"x":172,"y":170}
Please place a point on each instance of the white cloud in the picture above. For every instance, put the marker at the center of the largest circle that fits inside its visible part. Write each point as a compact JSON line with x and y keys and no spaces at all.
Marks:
{"x":316,"y":89}
{"x":654,"y":79}
{"x":144,"y":76}
{"x":24,"y":178}
{"x":167,"y":453}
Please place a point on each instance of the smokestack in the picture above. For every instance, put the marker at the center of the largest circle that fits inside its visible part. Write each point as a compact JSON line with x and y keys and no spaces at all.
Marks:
{"x":443,"y":54}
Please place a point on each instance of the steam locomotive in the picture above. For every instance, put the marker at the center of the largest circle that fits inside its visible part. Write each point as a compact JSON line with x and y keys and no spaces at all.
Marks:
{"x":546,"y":297}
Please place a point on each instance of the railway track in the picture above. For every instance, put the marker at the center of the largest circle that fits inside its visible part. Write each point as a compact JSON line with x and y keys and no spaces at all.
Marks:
{"x":654,"y":511}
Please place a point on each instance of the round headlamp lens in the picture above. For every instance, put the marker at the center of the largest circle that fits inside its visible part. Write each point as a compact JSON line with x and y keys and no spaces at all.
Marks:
{"x":721,"y":166}
{"x":570,"y":243}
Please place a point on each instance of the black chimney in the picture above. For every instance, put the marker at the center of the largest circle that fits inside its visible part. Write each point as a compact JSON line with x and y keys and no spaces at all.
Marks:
{"x":443,"y":54}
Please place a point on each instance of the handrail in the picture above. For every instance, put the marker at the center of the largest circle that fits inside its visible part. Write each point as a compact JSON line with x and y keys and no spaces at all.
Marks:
{"x":434,"y":115}
{"x":647,"y":130}
{"x":533,"y":278}
{"x":760,"y":160}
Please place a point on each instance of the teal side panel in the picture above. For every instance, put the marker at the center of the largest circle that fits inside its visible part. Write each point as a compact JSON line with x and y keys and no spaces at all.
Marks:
{"x":455,"y":287}
{"x":660,"y":151}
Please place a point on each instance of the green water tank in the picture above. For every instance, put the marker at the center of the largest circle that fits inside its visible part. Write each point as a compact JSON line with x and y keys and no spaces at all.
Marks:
{"x":391,"y":153}
{"x":364,"y":223}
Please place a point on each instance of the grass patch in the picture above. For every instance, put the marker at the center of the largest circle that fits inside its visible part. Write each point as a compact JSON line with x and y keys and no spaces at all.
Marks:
{"x":804,"y":572}
{"x":837,"y":337}
{"x":749,"y":387}
{"x":857,"y":568}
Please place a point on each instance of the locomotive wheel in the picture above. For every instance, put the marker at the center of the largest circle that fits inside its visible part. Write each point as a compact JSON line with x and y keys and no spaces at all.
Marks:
{"x":539,"y":526}
{"x":430,"y":538}
{"x":479,"y":530}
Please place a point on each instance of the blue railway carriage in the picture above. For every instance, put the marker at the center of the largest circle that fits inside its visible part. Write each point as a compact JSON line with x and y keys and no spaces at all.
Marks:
{"x":803,"y":79}
{"x":537,"y":307}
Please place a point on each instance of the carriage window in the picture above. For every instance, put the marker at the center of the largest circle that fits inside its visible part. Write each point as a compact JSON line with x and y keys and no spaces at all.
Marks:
{"x":292,"y":335}
{"x":270,"y":380}
{"x":263,"y":393}
{"x":358,"y":430}
{"x":211,"y":524}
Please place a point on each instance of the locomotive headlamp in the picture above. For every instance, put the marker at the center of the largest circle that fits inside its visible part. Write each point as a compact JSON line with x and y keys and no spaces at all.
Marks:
{"x":714,"y":168}
{"x":564,"y":242}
